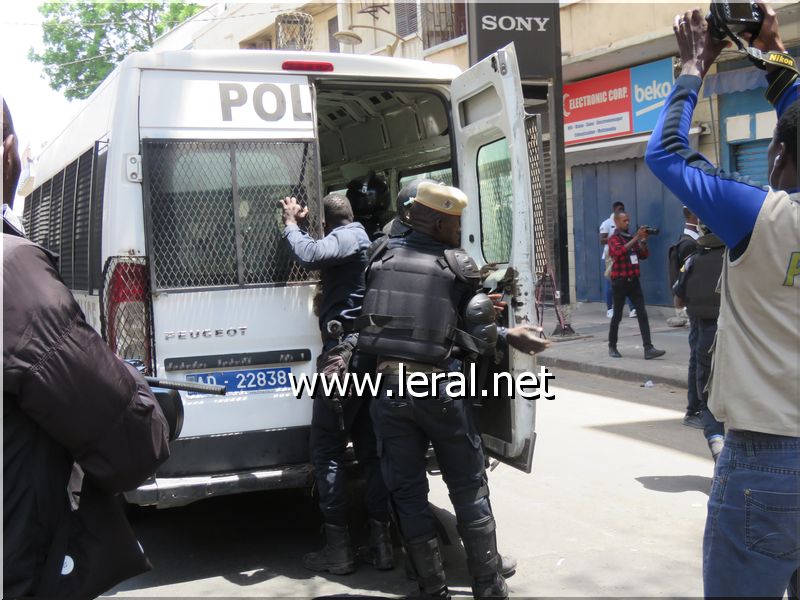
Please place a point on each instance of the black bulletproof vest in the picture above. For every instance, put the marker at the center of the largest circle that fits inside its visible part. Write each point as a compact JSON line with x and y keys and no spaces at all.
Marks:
{"x":417,"y":290}
{"x":702,"y":299}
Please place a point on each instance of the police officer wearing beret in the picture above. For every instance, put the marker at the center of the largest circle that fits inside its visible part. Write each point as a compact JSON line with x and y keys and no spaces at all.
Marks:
{"x":424,"y":312}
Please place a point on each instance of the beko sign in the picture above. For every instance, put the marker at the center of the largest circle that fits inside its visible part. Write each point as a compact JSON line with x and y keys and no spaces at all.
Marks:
{"x":509,"y":23}
{"x":533,"y":27}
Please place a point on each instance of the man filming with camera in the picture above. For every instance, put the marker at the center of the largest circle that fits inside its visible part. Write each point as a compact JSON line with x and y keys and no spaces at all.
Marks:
{"x":626,"y":251}
{"x":753,"y":523}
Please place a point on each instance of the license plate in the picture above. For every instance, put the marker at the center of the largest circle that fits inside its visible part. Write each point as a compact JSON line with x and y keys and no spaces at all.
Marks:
{"x":250,"y":380}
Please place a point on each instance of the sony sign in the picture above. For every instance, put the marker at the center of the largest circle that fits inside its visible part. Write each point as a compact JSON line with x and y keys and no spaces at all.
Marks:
{"x":509,"y":23}
{"x":533,"y":27}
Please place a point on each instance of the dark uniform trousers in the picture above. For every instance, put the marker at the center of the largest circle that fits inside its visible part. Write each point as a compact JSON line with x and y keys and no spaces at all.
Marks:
{"x":404,"y":427}
{"x":328,"y":444}
{"x":704,"y":332}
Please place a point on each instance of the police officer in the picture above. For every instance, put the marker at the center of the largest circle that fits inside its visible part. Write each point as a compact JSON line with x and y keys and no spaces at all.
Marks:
{"x":697,"y":288}
{"x":422,"y":305}
{"x":341,"y":257}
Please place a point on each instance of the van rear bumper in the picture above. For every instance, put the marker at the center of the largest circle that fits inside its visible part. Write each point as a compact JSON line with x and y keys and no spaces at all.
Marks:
{"x":165,"y":492}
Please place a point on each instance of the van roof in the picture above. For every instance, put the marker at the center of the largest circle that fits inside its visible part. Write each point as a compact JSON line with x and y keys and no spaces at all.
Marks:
{"x":271,"y":61}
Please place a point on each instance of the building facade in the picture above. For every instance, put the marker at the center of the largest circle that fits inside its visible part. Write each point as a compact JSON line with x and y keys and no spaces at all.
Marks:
{"x":617,"y":66}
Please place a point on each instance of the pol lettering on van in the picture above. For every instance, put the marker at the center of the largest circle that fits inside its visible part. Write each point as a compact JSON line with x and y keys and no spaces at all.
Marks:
{"x":204,"y":105}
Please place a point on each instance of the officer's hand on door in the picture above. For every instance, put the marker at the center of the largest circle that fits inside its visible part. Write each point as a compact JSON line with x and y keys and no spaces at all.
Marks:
{"x":527,"y":338}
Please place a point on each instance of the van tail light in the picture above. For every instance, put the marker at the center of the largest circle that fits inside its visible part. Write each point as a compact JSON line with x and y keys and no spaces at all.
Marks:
{"x":127,"y":310}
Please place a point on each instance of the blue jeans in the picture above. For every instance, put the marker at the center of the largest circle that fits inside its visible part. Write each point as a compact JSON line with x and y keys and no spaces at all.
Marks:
{"x":752,"y":539}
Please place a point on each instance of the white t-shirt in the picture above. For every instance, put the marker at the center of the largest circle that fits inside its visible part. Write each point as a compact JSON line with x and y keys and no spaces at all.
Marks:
{"x":608,"y":227}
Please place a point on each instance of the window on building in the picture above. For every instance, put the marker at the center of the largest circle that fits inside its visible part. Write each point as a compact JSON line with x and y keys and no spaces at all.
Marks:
{"x":405,"y":18}
{"x":333,"y":27}
{"x":442,"y":21}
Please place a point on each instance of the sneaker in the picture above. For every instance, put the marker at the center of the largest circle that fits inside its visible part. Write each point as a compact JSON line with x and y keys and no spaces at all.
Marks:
{"x":692,"y":419}
{"x":653,"y":353}
{"x":613,"y":352}
{"x":610,"y":313}
{"x":632,"y":314}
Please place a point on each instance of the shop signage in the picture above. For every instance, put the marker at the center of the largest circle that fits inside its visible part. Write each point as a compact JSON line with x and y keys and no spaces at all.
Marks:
{"x":616,"y":104}
{"x":533,"y":27}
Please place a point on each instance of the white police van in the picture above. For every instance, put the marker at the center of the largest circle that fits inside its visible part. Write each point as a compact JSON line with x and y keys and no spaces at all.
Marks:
{"x":161,"y":199}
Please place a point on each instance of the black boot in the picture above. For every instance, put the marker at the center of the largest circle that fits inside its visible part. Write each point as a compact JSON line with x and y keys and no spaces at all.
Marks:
{"x":483,"y":560}
{"x":336,"y":556}
{"x":425,"y":558}
{"x":379,"y":552}
{"x":508,"y":566}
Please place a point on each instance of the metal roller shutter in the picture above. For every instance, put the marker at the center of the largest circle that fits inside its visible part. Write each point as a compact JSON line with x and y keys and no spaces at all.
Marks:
{"x":750,"y":160}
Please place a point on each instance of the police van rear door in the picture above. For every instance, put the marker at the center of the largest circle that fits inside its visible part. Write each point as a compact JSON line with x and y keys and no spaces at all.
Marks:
{"x":494,"y":170}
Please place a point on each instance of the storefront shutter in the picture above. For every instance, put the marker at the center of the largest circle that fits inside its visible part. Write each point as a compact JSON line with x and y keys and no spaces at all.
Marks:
{"x":750,"y":160}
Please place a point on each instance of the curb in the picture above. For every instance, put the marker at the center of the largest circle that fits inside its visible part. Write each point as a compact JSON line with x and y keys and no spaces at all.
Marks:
{"x":613,"y":372}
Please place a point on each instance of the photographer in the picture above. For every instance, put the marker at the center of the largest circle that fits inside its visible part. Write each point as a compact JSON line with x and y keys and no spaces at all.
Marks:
{"x":626,"y":250}
{"x":753,"y":526}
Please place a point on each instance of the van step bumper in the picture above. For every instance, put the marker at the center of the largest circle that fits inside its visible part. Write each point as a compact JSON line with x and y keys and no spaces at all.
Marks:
{"x":165,"y":492}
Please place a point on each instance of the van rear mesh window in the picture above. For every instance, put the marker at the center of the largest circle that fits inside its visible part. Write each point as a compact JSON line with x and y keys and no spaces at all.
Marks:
{"x":214,"y":215}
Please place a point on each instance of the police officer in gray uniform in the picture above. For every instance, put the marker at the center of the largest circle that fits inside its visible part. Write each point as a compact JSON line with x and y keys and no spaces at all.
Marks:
{"x":423,"y":311}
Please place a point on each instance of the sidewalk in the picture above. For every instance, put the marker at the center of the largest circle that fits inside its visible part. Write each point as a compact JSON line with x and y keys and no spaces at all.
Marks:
{"x":588,"y":352}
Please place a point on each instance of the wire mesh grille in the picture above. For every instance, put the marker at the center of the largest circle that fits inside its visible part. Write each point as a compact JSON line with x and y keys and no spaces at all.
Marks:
{"x":214,"y":213}
{"x":532,"y":134}
{"x":496,"y":201}
{"x":127,"y":309}
{"x":295,"y":31}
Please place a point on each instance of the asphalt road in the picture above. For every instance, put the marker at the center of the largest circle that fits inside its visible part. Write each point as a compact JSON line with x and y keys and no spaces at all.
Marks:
{"x":615,"y":506}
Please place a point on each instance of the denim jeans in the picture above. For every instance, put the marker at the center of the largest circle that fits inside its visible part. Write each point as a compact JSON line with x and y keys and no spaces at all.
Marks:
{"x":752,"y":539}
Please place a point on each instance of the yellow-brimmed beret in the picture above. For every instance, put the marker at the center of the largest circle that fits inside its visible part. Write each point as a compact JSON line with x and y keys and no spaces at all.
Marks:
{"x":441,"y":198}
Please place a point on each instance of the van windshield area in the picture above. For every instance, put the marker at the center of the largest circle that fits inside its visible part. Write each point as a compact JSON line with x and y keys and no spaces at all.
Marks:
{"x":213,"y":213}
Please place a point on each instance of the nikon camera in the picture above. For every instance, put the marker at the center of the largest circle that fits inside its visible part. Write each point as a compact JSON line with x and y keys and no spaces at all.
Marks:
{"x":729,"y":17}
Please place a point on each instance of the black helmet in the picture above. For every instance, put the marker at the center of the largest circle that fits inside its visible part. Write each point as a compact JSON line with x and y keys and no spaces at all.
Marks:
{"x":368,"y":195}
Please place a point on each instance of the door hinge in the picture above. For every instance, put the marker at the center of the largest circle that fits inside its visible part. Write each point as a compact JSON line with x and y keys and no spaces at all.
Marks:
{"x":133,"y":167}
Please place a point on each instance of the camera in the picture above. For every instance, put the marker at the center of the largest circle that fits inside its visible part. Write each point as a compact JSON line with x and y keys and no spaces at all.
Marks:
{"x":729,"y":18}
{"x":651,"y":230}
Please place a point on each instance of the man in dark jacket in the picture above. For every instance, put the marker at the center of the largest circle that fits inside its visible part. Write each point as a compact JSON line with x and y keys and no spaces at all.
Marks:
{"x":341,"y":257}
{"x":697,"y":288}
{"x":626,"y":250}
{"x":79,"y":425}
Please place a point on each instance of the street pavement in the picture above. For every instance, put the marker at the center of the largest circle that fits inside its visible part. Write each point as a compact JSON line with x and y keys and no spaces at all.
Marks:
{"x":615,"y":507}
{"x":588,"y":350}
